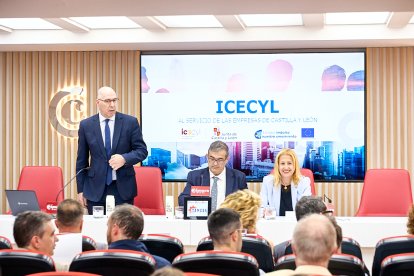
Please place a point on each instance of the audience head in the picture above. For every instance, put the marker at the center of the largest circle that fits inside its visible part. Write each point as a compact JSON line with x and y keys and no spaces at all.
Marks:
{"x":247,"y":204}
{"x":338,"y":230}
{"x":410,"y":222}
{"x":309,"y":205}
{"x":69,"y":217}
{"x":224,"y":227}
{"x":126,"y":222}
{"x":35,"y":231}
{"x":314,"y":240}
{"x":286,"y":166}
{"x":218,"y":156}
{"x":168,"y":271}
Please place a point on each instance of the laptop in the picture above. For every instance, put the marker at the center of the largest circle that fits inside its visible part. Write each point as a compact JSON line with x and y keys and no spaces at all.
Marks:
{"x":22,"y":200}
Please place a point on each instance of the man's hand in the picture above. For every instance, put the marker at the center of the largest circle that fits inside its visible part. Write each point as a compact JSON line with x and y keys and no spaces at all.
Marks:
{"x":82,"y":200}
{"x":116,"y":161}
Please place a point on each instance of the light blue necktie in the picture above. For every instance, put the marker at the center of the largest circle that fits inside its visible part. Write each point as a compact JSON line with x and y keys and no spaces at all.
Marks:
{"x":213,"y":194}
{"x":108,"y":152}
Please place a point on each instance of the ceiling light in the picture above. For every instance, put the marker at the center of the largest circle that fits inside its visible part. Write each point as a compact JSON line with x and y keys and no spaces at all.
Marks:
{"x":271,"y":20}
{"x":28,"y":24}
{"x":357,"y":18}
{"x":189,"y":21}
{"x":106,"y":22}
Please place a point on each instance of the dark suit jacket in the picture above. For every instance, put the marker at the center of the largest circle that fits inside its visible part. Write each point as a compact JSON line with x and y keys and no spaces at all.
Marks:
{"x":127,"y":141}
{"x":235,"y":180}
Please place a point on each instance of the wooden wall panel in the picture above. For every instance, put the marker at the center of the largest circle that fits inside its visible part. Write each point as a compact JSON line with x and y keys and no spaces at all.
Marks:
{"x":28,"y":80}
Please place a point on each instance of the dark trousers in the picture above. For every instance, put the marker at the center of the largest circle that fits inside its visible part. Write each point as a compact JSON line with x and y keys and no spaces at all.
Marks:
{"x":109,"y":190}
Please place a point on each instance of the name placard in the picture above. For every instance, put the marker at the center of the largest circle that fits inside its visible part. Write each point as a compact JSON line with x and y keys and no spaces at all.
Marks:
{"x":200,"y":191}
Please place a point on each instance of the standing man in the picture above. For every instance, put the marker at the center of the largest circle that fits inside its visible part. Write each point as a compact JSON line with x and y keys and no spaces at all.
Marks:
{"x":110,"y":143}
{"x":222,"y":180}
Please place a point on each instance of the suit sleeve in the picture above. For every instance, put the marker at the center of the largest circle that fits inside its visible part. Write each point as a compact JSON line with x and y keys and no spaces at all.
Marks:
{"x":187,"y":190}
{"x":264,"y":191}
{"x":138,"y":151}
{"x":243,"y":182}
{"x":82,"y":160}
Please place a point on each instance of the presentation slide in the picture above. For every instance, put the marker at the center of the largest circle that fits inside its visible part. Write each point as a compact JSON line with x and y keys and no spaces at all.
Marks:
{"x":257,"y":103}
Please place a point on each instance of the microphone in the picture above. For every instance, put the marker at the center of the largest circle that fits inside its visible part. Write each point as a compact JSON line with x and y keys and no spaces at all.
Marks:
{"x":51,"y":207}
{"x":325,"y":197}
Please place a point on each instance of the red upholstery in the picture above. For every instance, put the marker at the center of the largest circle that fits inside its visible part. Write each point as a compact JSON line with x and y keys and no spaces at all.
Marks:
{"x":386,"y":193}
{"x":224,"y":263}
{"x":46,"y":181}
{"x":21,"y":262}
{"x":61,"y":273}
{"x":309,"y":173}
{"x":150,"y":198}
{"x":113,"y":262}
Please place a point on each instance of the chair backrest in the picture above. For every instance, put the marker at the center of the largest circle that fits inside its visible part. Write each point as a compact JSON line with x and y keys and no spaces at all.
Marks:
{"x":88,"y":244}
{"x":339,"y":264}
{"x":113,"y":262}
{"x":391,"y":246}
{"x":5,"y":243}
{"x":46,"y":181}
{"x":164,"y":246}
{"x":254,"y":245}
{"x":150,"y":198}
{"x":23,"y":262}
{"x":218,"y":262}
{"x":309,"y":173}
{"x":63,"y":273}
{"x":351,"y":247}
{"x":344,"y":264}
{"x":386,"y":193}
{"x":399,"y":264}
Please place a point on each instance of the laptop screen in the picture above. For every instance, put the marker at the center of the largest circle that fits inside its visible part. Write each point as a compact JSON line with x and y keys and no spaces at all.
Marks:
{"x":22,"y":200}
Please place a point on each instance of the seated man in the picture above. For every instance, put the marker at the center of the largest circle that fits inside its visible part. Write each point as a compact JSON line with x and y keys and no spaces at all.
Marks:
{"x":222,"y":180}
{"x":69,"y":217}
{"x":125,"y":226}
{"x":34,"y":230}
{"x":224,"y":226}
{"x":313,"y":243}
{"x":305,"y":206}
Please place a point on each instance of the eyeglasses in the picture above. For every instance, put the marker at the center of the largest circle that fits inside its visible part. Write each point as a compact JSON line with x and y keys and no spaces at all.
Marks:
{"x":327,"y":212}
{"x":214,"y":160}
{"x":109,"y":101}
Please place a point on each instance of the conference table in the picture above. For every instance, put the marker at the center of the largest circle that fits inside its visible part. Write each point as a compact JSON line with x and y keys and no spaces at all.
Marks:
{"x":366,"y":230}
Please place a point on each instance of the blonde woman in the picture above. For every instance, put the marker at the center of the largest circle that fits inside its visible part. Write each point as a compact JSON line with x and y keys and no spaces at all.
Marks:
{"x":285,"y":186}
{"x":247,"y":204}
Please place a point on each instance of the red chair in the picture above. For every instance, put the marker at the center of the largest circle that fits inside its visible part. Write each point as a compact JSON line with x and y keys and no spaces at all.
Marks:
{"x":150,"y":198}
{"x":46,"y":181}
{"x":164,"y":246}
{"x":309,"y":173}
{"x":218,"y":262}
{"x":113,"y":262}
{"x":63,"y":273}
{"x":22,"y":262}
{"x":386,"y":193}
{"x":399,"y":264}
{"x":5,"y":243}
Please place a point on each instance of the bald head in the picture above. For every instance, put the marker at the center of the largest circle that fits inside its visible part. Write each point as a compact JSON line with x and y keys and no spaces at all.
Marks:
{"x":314,"y":240}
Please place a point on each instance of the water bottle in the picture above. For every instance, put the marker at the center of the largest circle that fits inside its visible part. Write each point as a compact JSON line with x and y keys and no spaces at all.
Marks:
{"x":110,"y":204}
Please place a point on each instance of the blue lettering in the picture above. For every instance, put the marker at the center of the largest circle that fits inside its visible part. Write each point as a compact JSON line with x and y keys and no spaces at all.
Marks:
{"x":240,"y":107}
{"x":226,"y":107}
{"x":263,"y":105}
{"x":248,"y":107}
{"x":272,"y":107}
{"x":219,"y":106}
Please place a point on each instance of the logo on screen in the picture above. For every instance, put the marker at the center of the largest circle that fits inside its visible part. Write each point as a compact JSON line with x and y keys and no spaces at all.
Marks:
{"x":189,"y":132}
{"x":258,"y":134}
{"x":66,"y":109}
{"x":217,"y":132}
{"x":197,"y":208}
{"x":308,"y":132}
